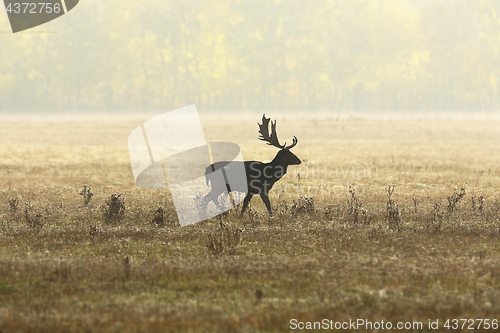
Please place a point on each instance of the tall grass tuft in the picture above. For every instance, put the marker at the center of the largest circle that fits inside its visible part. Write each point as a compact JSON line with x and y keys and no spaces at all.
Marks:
{"x":224,"y":240}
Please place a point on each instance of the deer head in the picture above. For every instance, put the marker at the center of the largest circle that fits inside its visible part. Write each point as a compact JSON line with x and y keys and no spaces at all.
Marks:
{"x":284,"y":156}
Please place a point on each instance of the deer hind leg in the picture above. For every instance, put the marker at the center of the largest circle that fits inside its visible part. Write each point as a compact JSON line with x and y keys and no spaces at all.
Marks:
{"x":246,"y":201}
{"x":211,"y":196}
{"x":265,"y":198}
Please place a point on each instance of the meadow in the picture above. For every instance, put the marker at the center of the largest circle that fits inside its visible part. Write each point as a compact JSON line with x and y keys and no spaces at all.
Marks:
{"x":393,"y":218}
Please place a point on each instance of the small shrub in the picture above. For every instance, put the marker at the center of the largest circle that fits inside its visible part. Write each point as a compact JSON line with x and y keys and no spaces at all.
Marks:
{"x":163,"y":216}
{"x":159,"y":217}
{"x":114,"y":210}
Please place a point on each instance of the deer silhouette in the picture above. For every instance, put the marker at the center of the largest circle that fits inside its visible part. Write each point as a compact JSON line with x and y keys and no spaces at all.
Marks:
{"x":260,"y":177}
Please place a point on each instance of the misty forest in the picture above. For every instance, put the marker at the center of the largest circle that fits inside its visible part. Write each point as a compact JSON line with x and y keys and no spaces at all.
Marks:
{"x":243,"y":55}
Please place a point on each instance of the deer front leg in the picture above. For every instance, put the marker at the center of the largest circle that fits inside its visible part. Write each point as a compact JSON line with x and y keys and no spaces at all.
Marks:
{"x":265,"y":198}
{"x":246,"y":201}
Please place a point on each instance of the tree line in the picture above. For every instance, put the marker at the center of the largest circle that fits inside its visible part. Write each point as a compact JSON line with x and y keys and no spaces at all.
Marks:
{"x":257,"y":54}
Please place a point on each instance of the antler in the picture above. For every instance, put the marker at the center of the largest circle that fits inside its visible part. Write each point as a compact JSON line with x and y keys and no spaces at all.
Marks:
{"x":272,"y":139}
{"x":294,"y":142}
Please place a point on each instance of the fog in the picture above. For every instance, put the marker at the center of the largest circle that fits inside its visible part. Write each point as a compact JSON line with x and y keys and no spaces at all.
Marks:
{"x":406,"y":57}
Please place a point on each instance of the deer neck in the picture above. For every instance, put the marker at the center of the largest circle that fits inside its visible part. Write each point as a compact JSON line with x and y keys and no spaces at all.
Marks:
{"x":279,"y":167}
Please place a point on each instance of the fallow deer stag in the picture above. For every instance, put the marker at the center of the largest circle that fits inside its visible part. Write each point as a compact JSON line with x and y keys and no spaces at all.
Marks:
{"x":260,"y":176}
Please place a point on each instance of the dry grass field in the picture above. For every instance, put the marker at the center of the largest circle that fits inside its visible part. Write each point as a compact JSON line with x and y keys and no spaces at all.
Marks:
{"x":417,"y":239}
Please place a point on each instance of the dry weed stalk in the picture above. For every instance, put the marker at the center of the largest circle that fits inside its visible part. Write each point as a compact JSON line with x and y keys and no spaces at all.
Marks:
{"x":436,"y":217}
{"x":355,"y":210}
{"x":393,"y":214}
{"x":455,"y":198}
{"x":87,"y":195}
{"x":282,"y":207}
{"x":126,"y":269}
{"x":35,"y":221}
{"x":415,"y":205}
{"x":13,"y":205}
{"x":479,"y":205}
